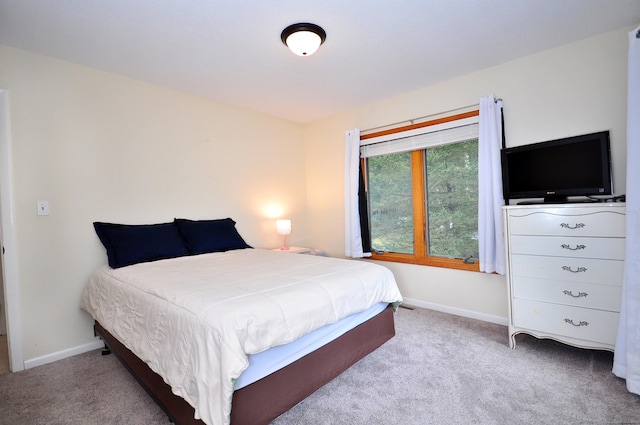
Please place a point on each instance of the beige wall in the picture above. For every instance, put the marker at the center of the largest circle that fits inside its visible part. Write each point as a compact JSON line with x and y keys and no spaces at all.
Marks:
{"x":575,"y":89}
{"x":102,"y":147}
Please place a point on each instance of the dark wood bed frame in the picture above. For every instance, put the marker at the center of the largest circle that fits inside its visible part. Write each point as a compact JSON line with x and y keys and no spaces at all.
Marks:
{"x":266,"y":399}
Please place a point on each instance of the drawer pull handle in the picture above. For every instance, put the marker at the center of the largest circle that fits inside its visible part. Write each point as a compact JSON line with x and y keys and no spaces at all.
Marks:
{"x":569,"y":269}
{"x":568,"y":226}
{"x":570,"y":293}
{"x":565,"y":246}
{"x":582,"y":323}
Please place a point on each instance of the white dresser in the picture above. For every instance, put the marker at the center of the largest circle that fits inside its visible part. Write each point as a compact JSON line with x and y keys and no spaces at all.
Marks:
{"x":564,"y":272}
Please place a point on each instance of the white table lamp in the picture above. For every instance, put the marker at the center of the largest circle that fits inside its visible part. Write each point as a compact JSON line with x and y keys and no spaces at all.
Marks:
{"x":284,"y":228}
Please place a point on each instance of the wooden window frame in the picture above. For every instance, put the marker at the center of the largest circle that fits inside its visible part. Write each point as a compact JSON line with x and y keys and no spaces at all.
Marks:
{"x":420,"y":255}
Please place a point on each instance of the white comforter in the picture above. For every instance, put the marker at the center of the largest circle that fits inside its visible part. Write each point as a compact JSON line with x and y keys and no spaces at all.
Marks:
{"x":194,"y":319}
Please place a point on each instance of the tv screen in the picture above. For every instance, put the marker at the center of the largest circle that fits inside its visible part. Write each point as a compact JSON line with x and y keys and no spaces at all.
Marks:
{"x":557,"y":169}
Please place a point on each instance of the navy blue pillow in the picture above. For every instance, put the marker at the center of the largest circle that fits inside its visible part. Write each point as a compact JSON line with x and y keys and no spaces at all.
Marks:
{"x":128,"y":244}
{"x":203,"y":236}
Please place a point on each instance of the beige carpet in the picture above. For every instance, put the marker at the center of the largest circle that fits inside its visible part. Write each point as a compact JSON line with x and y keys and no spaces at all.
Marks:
{"x":4,"y":354}
{"x":439,"y":369}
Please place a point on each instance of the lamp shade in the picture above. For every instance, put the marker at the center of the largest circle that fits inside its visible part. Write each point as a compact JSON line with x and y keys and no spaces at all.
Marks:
{"x":303,"y":39}
{"x":283,"y":227}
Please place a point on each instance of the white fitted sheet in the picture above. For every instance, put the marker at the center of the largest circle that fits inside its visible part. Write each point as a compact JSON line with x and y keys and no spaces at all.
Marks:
{"x":275,"y":358}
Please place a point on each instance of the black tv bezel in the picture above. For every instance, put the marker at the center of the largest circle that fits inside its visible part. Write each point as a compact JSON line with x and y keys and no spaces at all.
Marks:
{"x":554,"y":195}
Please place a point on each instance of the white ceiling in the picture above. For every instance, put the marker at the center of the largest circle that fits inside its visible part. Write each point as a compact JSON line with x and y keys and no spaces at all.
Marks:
{"x":230,"y":50}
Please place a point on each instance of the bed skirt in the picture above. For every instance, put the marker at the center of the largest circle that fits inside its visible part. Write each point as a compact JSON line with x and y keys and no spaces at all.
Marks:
{"x":269,"y":397}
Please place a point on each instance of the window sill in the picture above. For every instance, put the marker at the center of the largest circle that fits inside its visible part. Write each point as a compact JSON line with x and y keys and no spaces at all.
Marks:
{"x":448,"y":263}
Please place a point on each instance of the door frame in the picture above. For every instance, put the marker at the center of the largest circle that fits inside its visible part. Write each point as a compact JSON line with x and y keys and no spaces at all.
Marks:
{"x":7,"y":233}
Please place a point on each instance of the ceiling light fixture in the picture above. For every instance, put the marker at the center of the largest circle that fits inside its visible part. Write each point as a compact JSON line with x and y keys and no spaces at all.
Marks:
{"x":303,"y":39}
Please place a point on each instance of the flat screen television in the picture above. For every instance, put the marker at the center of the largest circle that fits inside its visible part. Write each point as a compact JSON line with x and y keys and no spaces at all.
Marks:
{"x":558,"y":169}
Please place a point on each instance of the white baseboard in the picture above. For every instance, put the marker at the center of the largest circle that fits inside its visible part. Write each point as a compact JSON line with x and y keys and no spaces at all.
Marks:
{"x":54,"y":357}
{"x":95,"y":345}
{"x":457,"y":311}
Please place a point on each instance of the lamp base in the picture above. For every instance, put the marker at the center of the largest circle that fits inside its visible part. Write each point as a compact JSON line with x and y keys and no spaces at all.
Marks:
{"x":284,"y":246}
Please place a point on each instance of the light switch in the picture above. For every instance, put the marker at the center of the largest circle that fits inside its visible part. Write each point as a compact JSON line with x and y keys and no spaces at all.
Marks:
{"x":43,"y":207}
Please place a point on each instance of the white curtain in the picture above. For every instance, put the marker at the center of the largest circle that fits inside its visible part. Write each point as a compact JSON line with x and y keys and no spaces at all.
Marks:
{"x":490,"y":199}
{"x":626,"y":361}
{"x":352,"y":234}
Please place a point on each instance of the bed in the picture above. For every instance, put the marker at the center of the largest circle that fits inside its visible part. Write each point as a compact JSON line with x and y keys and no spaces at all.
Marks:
{"x":195,"y":328}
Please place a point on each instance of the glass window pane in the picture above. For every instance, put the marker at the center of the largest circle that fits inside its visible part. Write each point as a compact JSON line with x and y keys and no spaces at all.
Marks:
{"x":452,"y":200}
{"x":391,"y":203}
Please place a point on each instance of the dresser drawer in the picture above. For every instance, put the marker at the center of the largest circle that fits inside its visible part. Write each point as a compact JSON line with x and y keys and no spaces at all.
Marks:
{"x":574,"y":322}
{"x":584,"y":270}
{"x":564,"y":246}
{"x":587,"y":295}
{"x":568,"y":222}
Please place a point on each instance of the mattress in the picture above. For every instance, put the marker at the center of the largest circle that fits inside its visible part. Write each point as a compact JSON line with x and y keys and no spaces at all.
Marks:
{"x":195,"y":320}
{"x":275,"y":358}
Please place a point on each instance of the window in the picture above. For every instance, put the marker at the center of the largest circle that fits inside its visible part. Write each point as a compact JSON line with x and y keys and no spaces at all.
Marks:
{"x":422,"y":188}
